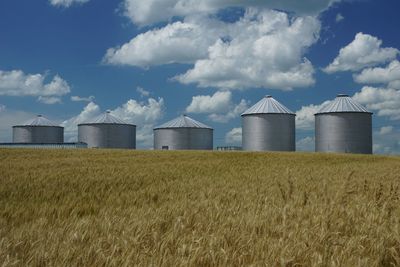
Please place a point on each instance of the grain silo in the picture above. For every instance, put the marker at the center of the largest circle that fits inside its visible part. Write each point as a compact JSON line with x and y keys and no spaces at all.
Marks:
{"x":183,"y":133}
{"x":343,"y":126}
{"x":107,"y":131}
{"x":38,"y":130}
{"x":268,"y":126}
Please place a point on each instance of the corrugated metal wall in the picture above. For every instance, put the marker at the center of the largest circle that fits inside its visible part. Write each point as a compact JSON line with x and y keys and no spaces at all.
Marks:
{"x":183,"y":139}
{"x":108,"y":135}
{"x":38,"y":134}
{"x":268,"y":132}
{"x":343,"y":133}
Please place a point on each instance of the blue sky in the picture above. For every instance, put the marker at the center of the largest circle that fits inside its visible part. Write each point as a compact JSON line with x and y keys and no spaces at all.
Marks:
{"x":149,"y":61}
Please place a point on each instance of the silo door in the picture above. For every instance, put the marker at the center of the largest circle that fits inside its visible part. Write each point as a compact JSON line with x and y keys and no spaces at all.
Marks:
{"x":165,"y":148}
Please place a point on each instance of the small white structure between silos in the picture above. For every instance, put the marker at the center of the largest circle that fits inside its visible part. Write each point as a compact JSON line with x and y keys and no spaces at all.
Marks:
{"x":343,"y":126}
{"x":107,"y":131}
{"x":183,"y":133}
{"x":38,"y":130}
{"x":268,"y":126}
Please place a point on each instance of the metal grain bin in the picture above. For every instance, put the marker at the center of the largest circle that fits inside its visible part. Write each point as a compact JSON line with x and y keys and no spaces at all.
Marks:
{"x":38,"y":131}
{"x":183,"y":133}
{"x":268,"y":126}
{"x":107,"y":131}
{"x":343,"y":126}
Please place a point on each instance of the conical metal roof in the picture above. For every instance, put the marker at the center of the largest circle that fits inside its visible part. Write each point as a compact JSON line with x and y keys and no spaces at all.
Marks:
{"x":39,"y":120}
{"x":183,"y":122}
{"x":268,"y":105}
{"x":343,"y":103}
{"x":106,"y":118}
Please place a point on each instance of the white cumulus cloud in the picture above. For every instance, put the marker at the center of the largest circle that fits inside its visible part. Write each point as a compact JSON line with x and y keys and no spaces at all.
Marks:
{"x":17,"y":83}
{"x":49,"y":100}
{"x":364,"y":51}
{"x":145,"y":12}
{"x":394,"y":84}
{"x":76,"y":98}
{"x":305,"y":116}
{"x":339,"y":17}
{"x":142,"y":91}
{"x":9,"y":118}
{"x":234,"y":137}
{"x":66,"y":3}
{"x":386,"y":140}
{"x":390,"y":74}
{"x":383,"y":101}
{"x":219,"y":106}
{"x":263,"y":48}
{"x":140,"y":112}
{"x":386,"y":130}
{"x":179,"y":42}
{"x":233,"y":113}
{"x":219,"y":102}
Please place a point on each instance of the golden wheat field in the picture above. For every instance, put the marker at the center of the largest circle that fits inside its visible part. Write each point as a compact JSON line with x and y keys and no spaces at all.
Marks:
{"x":146,"y":208}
